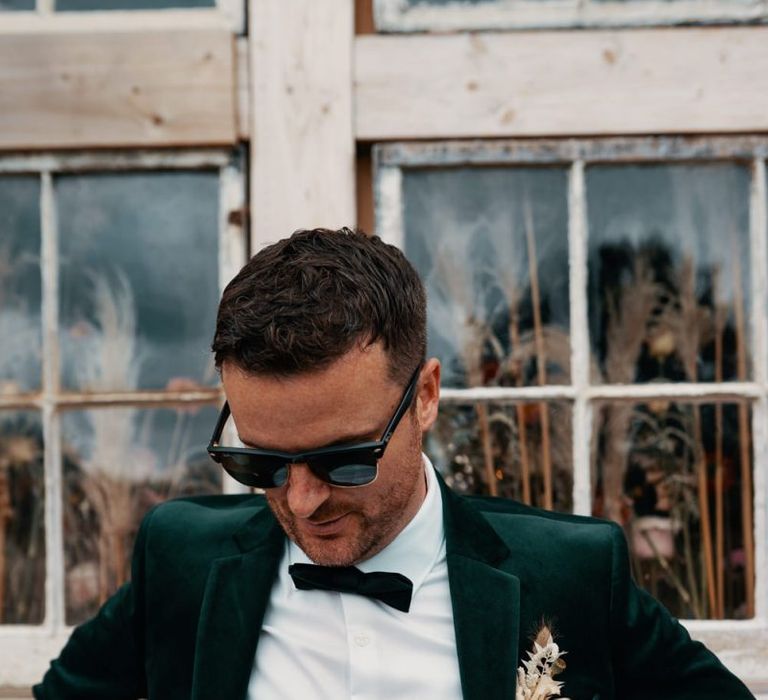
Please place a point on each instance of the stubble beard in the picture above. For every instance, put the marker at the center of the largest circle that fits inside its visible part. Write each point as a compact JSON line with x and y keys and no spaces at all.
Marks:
{"x":371,"y":532}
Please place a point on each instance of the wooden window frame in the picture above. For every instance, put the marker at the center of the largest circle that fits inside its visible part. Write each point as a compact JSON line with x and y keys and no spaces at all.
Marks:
{"x":398,"y":16}
{"x":739,"y":643}
{"x":32,"y":646}
{"x":226,"y":13}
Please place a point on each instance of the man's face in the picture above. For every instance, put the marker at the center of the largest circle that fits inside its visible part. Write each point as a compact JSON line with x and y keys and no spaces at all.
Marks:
{"x":350,"y":401}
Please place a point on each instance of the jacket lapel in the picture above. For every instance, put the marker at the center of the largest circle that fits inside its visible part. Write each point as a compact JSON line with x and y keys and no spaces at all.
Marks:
{"x":486,"y":602}
{"x":234,"y":603}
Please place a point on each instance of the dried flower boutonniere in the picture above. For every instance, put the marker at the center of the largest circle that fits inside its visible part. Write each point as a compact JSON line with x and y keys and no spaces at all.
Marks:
{"x":536,"y":677}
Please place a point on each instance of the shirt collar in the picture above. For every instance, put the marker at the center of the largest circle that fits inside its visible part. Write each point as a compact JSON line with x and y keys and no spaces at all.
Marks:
{"x":414,"y":551}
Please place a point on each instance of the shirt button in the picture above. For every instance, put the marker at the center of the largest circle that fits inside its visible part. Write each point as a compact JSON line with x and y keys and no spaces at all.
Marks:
{"x":362,"y":640}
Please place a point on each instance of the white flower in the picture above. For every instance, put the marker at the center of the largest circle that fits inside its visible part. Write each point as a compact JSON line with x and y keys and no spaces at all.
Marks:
{"x":535,"y":678}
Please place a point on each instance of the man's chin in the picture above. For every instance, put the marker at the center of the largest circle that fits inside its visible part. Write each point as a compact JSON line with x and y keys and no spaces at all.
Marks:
{"x":329,"y":552}
{"x":339,"y":550}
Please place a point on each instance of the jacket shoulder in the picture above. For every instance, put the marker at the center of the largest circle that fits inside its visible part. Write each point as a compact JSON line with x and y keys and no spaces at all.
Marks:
{"x":525,"y":527}
{"x":203,"y":520}
{"x":489,"y":505}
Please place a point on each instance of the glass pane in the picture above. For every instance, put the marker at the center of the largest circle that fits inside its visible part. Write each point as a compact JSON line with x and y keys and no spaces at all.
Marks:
{"x":139,"y":279}
{"x":669,"y":272}
{"x":678,"y":477}
{"x":20,"y":286}
{"x":118,"y":463}
{"x":22,"y":519}
{"x":16,"y":5}
{"x":130,"y":4}
{"x":492,"y":247}
{"x":521,"y":451}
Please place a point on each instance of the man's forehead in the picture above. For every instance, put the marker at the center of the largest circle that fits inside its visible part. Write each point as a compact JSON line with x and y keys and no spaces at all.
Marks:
{"x":370,"y":358}
{"x":347,"y":402}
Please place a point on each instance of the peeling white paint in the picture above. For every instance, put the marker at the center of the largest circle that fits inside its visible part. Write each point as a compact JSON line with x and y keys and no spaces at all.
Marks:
{"x":401,"y":16}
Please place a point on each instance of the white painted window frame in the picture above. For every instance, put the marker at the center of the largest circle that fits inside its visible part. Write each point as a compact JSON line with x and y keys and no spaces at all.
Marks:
{"x":399,"y":16}
{"x":27,"y":649}
{"x":227,"y":13}
{"x":739,"y":643}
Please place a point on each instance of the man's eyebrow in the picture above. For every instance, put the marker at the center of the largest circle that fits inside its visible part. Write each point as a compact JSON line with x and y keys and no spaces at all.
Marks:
{"x":370,"y":436}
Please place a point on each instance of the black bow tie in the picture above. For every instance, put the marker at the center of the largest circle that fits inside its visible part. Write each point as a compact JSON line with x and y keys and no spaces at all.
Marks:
{"x":393,"y":589}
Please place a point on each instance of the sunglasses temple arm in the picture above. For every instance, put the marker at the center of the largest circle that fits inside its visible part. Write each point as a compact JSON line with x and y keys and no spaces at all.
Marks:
{"x":223,"y":416}
{"x":405,"y":402}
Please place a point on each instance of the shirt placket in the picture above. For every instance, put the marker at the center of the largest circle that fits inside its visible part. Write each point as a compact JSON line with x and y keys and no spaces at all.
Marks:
{"x":362,"y":647}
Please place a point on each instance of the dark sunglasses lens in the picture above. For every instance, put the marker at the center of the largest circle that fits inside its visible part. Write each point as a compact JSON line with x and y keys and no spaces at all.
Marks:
{"x":353,"y":474}
{"x":253,"y":470}
{"x":353,"y":469}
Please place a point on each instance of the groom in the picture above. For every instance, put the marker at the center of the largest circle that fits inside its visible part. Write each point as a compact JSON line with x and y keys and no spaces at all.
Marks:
{"x":358,"y":573}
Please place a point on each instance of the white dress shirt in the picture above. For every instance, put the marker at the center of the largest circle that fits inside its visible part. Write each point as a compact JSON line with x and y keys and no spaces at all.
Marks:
{"x":322,"y":645}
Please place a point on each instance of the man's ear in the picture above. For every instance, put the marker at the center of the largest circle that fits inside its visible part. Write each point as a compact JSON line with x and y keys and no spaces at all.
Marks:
{"x":428,"y":396}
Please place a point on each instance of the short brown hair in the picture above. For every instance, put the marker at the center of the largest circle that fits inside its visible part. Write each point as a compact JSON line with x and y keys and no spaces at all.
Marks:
{"x":305,"y":301}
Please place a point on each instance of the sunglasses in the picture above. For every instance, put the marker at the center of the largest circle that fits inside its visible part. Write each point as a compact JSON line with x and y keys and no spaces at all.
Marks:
{"x":346,"y":466}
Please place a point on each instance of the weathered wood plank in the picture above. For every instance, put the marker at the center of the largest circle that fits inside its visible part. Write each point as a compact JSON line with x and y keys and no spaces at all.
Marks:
{"x":302,"y":141}
{"x":70,"y":90}
{"x":46,"y":20}
{"x":243,"y":72}
{"x":28,"y":653}
{"x":683,"y":80}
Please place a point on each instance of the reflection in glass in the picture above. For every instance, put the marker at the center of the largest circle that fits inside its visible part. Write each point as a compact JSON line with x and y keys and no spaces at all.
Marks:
{"x":491,"y":245}
{"x":20,"y":287}
{"x":138,"y":279}
{"x":678,"y":477}
{"x":505,"y":450}
{"x":22,"y":519}
{"x":130,"y":4}
{"x":669,"y":272}
{"x":118,"y":462}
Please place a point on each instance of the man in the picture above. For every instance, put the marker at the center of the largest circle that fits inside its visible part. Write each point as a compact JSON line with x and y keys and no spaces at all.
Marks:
{"x":419,"y":593}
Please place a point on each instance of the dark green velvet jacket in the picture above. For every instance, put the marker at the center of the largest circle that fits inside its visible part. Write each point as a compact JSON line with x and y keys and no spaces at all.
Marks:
{"x":188,"y":624}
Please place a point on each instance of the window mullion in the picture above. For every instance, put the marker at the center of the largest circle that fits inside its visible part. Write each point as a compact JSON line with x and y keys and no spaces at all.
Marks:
{"x":759,"y":323}
{"x":233,"y":246}
{"x":577,"y":264}
{"x":54,"y":553}
{"x":389,"y":205}
{"x":758,"y":226}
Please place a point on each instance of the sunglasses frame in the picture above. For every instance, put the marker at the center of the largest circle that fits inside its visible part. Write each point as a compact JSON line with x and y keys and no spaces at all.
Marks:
{"x":374,"y":449}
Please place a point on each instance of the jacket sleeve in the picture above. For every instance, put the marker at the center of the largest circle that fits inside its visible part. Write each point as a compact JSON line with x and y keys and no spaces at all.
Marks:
{"x":104,"y":657}
{"x":654,"y":656}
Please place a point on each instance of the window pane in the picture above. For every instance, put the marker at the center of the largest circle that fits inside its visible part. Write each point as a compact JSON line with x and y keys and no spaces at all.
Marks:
{"x":16,"y":5}
{"x":130,"y":4}
{"x":139,"y":279}
{"x":491,"y":245}
{"x":678,"y":476}
{"x":20,"y":288}
{"x":22,"y":519}
{"x":118,"y":463}
{"x":521,"y":451}
{"x":668,"y":272}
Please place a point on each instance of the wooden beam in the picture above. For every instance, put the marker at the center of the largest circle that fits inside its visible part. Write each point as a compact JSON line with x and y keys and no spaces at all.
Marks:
{"x":117,"y":89}
{"x":575,"y":83}
{"x":243,"y":73}
{"x":302,"y":142}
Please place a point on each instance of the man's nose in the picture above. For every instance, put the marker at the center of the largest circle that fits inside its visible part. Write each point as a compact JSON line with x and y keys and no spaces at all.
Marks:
{"x":306,"y":493}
